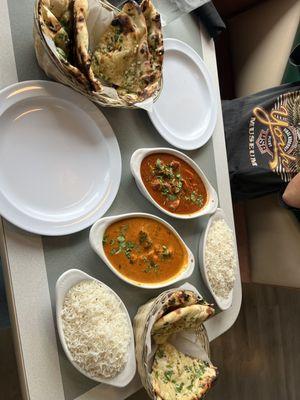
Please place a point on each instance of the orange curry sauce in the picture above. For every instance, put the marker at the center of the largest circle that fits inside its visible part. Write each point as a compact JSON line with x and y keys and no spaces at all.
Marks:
{"x":173,"y":183}
{"x":144,"y":250}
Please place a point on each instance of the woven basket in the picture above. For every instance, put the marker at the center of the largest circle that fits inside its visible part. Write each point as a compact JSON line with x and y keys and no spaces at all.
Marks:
{"x":55,"y":70}
{"x":143,"y":322}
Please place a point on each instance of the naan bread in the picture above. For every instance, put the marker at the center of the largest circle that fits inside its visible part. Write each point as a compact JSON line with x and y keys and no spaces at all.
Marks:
{"x":189,"y":317}
{"x":81,"y":9}
{"x":125,"y":59}
{"x":176,"y":376}
{"x":111,"y":54}
{"x":116,"y":57}
{"x":155,"y":39}
{"x":177,"y":299}
{"x":143,"y":76}
{"x":122,"y":58}
{"x":57,"y":7}
{"x":83,"y":57}
{"x":66,"y":20}
{"x":62,"y":41}
{"x":59,"y":31}
{"x":76,"y":73}
{"x":48,"y":21}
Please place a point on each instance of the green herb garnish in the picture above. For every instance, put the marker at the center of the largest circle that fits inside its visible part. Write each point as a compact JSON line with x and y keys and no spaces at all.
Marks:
{"x":151,"y":266}
{"x":172,"y":197}
{"x":178,"y":387}
{"x":165,"y":252}
{"x":123,"y":245}
{"x":159,"y":164}
{"x":168,"y":374}
{"x":160,"y":353}
{"x":104,"y":240}
{"x":199,"y":371}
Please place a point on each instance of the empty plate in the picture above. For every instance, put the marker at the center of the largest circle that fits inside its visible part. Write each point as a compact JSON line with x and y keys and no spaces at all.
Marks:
{"x":60,"y":163}
{"x":186,"y":111}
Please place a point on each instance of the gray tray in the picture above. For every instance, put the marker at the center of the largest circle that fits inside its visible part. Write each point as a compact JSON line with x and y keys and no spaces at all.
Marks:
{"x":133,"y":130}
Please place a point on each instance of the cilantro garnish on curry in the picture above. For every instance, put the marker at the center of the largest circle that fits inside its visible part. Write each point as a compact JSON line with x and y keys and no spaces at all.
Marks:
{"x":144,"y":250}
{"x":173,"y":183}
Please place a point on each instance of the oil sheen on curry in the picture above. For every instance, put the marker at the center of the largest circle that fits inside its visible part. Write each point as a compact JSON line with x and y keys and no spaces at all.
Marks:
{"x":144,"y":250}
{"x":173,"y":183}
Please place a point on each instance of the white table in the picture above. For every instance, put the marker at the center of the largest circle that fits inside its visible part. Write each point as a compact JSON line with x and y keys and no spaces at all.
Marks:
{"x":30,"y":262}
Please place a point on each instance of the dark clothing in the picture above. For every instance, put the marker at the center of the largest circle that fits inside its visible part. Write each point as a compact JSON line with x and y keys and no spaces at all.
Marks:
{"x":211,"y":19}
{"x":263,"y":140}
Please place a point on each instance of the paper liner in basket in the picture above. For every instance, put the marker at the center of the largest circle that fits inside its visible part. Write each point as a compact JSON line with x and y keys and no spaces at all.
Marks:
{"x":100,"y":16}
{"x":194,"y":343}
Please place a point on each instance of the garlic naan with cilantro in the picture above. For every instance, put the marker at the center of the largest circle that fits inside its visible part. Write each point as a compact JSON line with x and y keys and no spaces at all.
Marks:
{"x":176,"y":376}
{"x":125,"y":57}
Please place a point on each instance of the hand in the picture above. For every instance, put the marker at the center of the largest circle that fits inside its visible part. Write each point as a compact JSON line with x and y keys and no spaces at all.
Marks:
{"x":291,"y":195}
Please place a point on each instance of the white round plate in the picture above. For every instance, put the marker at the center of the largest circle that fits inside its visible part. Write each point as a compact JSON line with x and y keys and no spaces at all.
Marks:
{"x":185,"y":113}
{"x":60,"y":163}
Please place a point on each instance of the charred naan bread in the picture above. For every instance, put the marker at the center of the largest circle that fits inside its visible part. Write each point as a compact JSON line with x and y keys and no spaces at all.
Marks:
{"x":176,"y":376}
{"x":75,"y":73}
{"x":127,"y":60}
{"x":189,"y":317}
{"x":62,"y":41}
{"x":48,"y":21}
{"x":56,"y":29}
{"x":61,"y":32}
{"x":57,"y":7}
{"x":116,"y":58}
{"x":177,"y":299}
{"x":123,"y":59}
{"x":81,"y":9}
{"x":82,"y":54}
{"x":139,"y":80}
{"x":155,"y":36}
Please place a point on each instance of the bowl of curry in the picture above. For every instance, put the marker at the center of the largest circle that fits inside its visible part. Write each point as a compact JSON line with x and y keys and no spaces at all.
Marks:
{"x":173,"y":182}
{"x":142,"y":249}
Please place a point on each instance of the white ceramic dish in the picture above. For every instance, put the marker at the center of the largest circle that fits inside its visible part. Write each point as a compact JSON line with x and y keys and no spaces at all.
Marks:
{"x":223,"y":304}
{"x":96,"y":236}
{"x":135,"y":166}
{"x":185,"y":113}
{"x":64,"y":283}
{"x":60,"y":163}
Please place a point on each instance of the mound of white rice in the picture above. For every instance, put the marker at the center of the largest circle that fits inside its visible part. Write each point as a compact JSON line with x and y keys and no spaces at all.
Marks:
{"x":220,"y":260}
{"x":96,"y":329}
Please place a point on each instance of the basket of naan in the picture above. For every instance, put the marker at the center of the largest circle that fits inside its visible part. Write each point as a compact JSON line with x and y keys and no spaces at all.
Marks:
{"x":112,"y":56}
{"x":172,"y":347}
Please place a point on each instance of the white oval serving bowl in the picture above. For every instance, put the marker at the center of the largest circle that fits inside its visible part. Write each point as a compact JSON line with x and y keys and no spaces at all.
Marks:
{"x":222,"y":303}
{"x":64,"y":283}
{"x":96,"y":236}
{"x":135,"y":166}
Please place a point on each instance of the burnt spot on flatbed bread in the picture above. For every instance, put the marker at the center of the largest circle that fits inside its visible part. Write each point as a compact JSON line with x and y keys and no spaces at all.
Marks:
{"x":124,"y":23}
{"x":149,"y":78}
{"x":130,"y":6}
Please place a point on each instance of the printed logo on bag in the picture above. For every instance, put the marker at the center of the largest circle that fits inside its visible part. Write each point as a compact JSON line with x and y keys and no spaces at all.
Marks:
{"x":274,"y":134}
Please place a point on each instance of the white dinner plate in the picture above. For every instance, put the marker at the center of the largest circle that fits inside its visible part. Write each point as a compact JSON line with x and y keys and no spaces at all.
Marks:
{"x":60,"y":163}
{"x":185,"y":113}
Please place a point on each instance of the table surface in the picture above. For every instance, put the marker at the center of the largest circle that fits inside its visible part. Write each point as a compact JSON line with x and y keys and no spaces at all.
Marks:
{"x":33,"y":263}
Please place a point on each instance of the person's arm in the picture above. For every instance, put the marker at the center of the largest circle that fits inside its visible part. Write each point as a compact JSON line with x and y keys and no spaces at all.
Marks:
{"x":291,"y":195}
